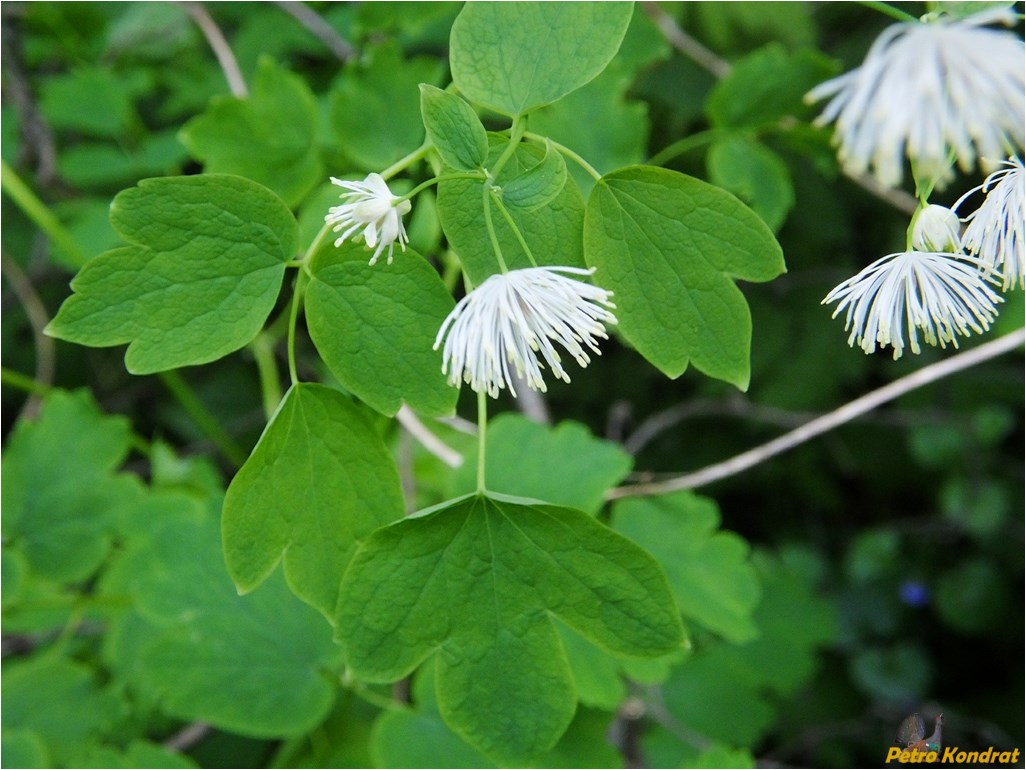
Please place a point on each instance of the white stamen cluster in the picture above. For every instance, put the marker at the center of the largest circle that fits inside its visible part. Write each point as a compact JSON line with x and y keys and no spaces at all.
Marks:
{"x":994,"y":232}
{"x":370,"y":206}
{"x":514,"y":318}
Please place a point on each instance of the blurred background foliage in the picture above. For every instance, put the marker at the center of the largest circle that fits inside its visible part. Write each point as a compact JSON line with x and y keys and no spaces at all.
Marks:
{"x":889,"y":553}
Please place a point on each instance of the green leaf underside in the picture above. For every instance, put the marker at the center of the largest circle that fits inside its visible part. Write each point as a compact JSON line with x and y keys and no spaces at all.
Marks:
{"x":375,"y":327}
{"x":269,"y":136}
{"x":537,"y":186}
{"x":59,"y":494}
{"x":319,"y":481}
{"x":709,"y":571}
{"x":668,"y":246}
{"x":453,"y":128}
{"x":514,"y":57}
{"x":260,"y":665}
{"x":503,"y":680}
{"x":564,"y":465}
{"x":204,"y":269}
{"x":553,"y":232}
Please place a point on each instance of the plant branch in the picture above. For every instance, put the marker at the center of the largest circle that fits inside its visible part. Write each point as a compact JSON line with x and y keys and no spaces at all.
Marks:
{"x":319,"y":28}
{"x":814,"y":428}
{"x":216,"y":41}
{"x":686,"y":44}
{"x":188,"y":737}
{"x":409,"y":420}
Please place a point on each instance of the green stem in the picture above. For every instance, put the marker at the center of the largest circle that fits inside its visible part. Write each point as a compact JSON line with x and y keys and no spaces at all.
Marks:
{"x":315,"y":244}
{"x":513,"y":226}
{"x":888,"y":10}
{"x":204,"y":419}
{"x":440,"y":178}
{"x":23,"y":382}
{"x":682,"y":146}
{"x":40,"y":214}
{"x":270,"y":385}
{"x":408,"y":160}
{"x":486,"y":190}
{"x":563,"y":149}
{"x":482,"y":430}
{"x":516,"y":133}
{"x":297,"y":300}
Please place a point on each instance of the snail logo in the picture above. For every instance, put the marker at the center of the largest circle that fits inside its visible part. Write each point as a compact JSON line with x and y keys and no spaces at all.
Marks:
{"x":913,"y":747}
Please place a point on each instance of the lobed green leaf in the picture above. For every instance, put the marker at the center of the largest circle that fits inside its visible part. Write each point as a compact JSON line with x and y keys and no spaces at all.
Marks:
{"x":318,"y":482}
{"x":202,"y":274}
{"x":503,"y":680}
{"x":668,"y":246}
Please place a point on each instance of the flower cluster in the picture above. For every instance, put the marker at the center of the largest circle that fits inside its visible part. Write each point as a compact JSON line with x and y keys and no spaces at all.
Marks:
{"x":513,"y":318}
{"x":927,"y":89}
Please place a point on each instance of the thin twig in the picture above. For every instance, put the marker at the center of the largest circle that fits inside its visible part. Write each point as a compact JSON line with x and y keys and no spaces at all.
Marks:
{"x":810,"y":430}
{"x":188,"y":737}
{"x":427,"y":439}
{"x":38,"y":317}
{"x":319,"y":28}
{"x":220,"y":47}
{"x":901,"y":200}
{"x":686,"y":44}
{"x":35,"y":130}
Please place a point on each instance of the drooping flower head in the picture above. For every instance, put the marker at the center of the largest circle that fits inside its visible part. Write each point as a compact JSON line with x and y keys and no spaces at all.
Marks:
{"x":941,"y":295}
{"x":994,"y":232}
{"x":925,"y":89}
{"x":513,"y":317}
{"x":371,"y":206}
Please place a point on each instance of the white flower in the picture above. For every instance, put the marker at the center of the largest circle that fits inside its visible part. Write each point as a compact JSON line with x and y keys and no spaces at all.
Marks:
{"x":514,"y":316}
{"x":940,"y":294}
{"x":371,"y":206}
{"x":927,"y":88}
{"x":936,"y":229}
{"x":995,"y":230}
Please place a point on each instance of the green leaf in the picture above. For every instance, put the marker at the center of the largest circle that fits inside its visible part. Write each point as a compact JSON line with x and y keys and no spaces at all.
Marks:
{"x":453,"y":128}
{"x":539,"y":185}
{"x":207,"y":653}
{"x":59,"y":494}
{"x":60,"y":701}
{"x":269,"y":136}
{"x":514,"y":57}
{"x":503,"y":680}
{"x":668,"y":246}
{"x":553,"y":233}
{"x":767,"y":85}
{"x":202,"y":274}
{"x":564,"y":465}
{"x":709,"y":572}
{"x":755,"y":174}
{"x":375,"y":106}
{"x":375,"y":328}
{"x":318,"y":482}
